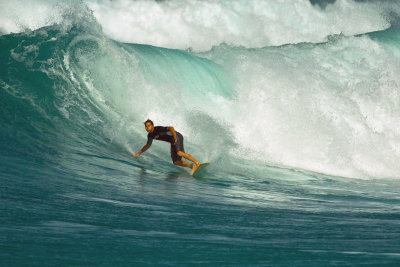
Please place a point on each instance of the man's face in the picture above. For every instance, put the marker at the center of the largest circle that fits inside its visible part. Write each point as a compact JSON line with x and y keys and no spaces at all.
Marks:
{"x":149,"y":127}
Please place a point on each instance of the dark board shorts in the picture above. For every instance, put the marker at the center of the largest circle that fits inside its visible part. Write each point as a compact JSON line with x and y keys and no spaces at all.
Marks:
{"x":177,"y":147}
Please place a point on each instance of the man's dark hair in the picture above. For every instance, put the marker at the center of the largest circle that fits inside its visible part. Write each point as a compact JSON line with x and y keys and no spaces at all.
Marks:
{"x":148,"y":120}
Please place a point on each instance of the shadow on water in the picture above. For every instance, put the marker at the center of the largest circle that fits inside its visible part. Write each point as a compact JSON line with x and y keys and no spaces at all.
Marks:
{"x":201,"y":176}
{"x":175,"y":175}
{"x":142,"y":174}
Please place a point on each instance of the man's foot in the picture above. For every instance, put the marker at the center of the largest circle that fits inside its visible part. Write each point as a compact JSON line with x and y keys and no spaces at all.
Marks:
{"x":195,"y":166}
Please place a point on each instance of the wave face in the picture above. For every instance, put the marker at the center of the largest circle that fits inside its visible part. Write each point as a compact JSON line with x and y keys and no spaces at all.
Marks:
{"x":336,"y":114}
{"x":75,"y":76}
{"x":301,"y":130}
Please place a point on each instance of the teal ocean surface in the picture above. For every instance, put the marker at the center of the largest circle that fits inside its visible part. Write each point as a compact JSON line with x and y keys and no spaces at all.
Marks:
{"x":298,"y":116}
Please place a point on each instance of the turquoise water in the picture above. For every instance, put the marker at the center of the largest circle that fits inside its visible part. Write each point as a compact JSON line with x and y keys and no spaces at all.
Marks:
{"x":303,"y":140}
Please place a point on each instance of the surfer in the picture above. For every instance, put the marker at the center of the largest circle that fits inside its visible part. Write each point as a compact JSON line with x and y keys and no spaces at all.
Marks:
{"x":168,"y":134}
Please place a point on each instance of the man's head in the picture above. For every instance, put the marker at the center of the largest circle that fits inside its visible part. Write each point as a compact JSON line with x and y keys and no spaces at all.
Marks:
{"x":149,"y":125}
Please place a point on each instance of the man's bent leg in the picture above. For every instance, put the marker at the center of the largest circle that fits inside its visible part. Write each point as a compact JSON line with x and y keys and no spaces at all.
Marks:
{"x":189,"y":157}
{"x":183,"y":163}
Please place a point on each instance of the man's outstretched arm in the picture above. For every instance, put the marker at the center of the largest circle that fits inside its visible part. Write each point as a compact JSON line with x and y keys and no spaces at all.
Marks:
{"x":147,"y":146}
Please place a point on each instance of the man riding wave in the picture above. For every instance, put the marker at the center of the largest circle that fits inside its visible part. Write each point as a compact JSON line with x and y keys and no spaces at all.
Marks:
{"x":168,"y":134}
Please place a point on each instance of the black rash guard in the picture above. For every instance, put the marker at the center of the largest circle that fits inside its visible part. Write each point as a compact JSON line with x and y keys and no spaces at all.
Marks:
{"x":163,"y":134}
{"x":160,"y":133}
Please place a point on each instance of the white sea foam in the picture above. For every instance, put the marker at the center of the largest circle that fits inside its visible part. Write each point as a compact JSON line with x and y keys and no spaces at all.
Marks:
{"x":331,"y":108}
{"x":200,"y":25}
{"x":17,"y":16}
{"x":251,"y":23}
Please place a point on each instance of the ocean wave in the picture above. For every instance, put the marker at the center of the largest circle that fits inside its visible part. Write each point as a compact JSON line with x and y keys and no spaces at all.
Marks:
{"x":330,"y":108}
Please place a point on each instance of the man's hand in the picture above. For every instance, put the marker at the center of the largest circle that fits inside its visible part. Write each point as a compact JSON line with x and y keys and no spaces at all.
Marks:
{"x":142,"y":150}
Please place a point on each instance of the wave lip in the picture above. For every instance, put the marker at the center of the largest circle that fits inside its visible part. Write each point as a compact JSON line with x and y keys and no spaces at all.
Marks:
{"x":200,"y":25}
